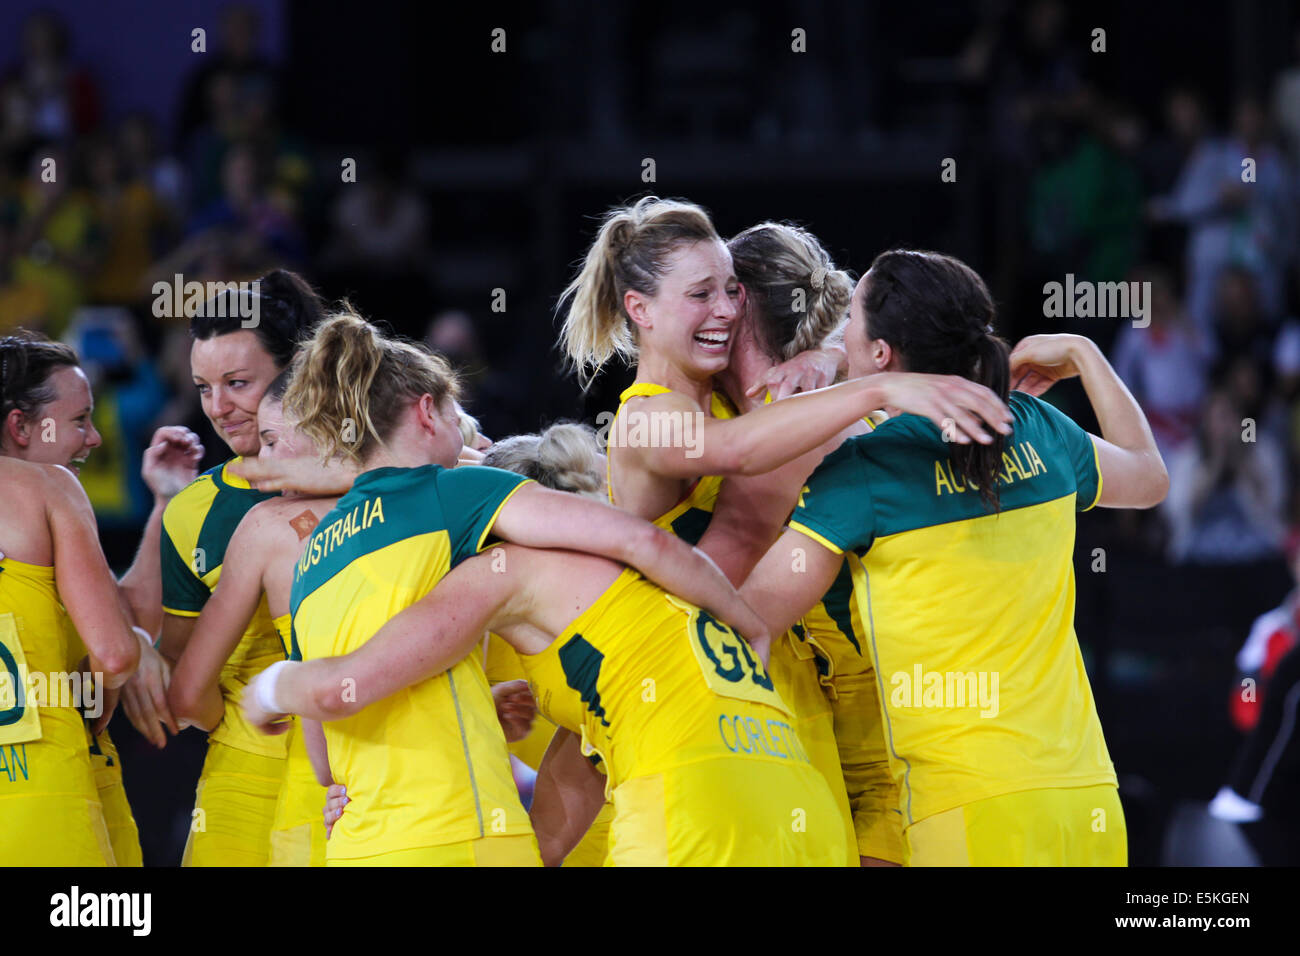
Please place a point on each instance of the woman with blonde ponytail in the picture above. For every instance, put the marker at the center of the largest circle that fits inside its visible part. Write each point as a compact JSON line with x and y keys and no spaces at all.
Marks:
{"x":658,"y":286}
{"x":426,"y":771}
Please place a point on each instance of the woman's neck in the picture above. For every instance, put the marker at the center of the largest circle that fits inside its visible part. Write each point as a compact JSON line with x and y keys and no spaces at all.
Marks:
{"x":660,"y":371}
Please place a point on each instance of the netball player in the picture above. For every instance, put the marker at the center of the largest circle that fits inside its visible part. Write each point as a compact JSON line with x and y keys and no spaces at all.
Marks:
{"x":232,"y":367}
{"x":427,"y":772}
{"x":268,"y":541}
{"x":46,"y":415}
{"x":56,"y":593}
{"x":961,"y":559}
{"x":795,"y":297}
{"x":712,"y":774}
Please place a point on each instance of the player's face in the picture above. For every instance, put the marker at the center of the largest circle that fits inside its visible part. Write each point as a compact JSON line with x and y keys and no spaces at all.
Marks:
{"x":279,"y":438}
{"x":857,"y":341}
{"x":61,"y":432}
{"x":232,"y":373}
{"x":692,"y":319}
{"x":448,"y":441}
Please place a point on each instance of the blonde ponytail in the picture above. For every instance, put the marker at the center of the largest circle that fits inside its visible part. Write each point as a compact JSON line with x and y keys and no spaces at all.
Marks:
{"x":351,"y":384}
{"x":630,"y":251}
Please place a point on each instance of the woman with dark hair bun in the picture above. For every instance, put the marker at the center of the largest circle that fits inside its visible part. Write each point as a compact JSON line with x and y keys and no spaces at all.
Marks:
{"x":961,"y":559}
{"x":232,"y":364}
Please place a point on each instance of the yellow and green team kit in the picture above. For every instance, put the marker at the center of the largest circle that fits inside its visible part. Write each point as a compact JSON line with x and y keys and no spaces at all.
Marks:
{"x":50,"y":810}
{"x":994,"y":743}
{"x":427,"y":769}
{"x":238,"y":791}
{"x":703,"y":763}
{"x":793,"y":665}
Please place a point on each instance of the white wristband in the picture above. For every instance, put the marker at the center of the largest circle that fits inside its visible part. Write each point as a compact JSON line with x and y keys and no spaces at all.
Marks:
{"x":266,"y":688}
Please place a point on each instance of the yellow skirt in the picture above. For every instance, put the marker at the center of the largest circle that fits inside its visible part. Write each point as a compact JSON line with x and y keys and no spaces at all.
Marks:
{"x":520,"y":850}
{"x":234,"y":808}
{"x":727,"y":812}
{"x":793,"y":670}
{"x":58,"y":822}
{"x":1071,"y":826}
{"x":118,"y":818}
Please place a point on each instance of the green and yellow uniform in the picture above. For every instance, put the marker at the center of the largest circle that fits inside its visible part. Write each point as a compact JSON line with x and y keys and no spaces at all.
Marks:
{"x":703,"y":764}
{"x":298,"y":830}
{"x":238,"y":790}
{"x":50,"y":813}
{"x":793,"y":661}
{"x":969,"y":618}
{"x":426,"y":769}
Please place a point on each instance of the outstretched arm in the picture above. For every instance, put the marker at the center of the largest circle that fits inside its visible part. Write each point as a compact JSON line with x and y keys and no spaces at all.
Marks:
{"x":791,"y":578}
{"x":770,"y":436}
{"x":541,"y":518}
{"x":424,"y":640}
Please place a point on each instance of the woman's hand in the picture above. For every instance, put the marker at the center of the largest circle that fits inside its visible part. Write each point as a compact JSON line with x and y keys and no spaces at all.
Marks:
{"x":255,"y":702}
{"x":956,"y":405}
{"x":516,"y":708}
{"x":336,"y":798}
{"x":305,"y":475}
{"x":1040,"y":361}
{"x":144,"y":695}
{"x":171,"y":461}
{"x":806,"y":372}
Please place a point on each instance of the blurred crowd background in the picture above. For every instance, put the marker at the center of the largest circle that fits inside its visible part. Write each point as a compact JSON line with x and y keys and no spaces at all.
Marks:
{"x":479,"y":171}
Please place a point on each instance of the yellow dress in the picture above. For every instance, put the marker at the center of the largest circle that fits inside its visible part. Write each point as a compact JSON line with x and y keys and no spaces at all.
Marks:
{"x":793,"y":661}
{"x":703,"y":764}
{"x":50,"y":814}
{"x":239,"y":789}
{"x":107,"y":765}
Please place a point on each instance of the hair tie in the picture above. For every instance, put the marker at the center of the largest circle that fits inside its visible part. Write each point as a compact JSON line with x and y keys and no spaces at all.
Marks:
{"x":818,"y":279}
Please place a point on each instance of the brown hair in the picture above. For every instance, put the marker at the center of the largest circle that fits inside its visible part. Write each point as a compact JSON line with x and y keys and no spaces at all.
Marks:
{"x":799,"y":297}
{"x":351,"y":384}
{"x":27,"y":360}
{"x":936,"y":313}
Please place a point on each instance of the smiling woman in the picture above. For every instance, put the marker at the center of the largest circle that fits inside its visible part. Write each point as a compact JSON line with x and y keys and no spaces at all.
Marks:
{"x":232,"y":367}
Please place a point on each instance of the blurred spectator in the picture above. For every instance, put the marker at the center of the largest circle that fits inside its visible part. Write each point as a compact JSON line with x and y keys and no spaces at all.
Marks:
{"x":1226,"y":493}
{"x":1286,"y":101}
{"x":452,"y":334}
{"x":1085,"y":206}
{"x":134,"y":223}
{"x":1241,"y":326}
{"x":53,"y":244}
{"x":236,"y":63}
{"x":1165,"y":365}
{"x":137,"y":146}
{"x":252,"y":224}
{"x":380,"y":223}
{"x":1230,"y":221}
{"x":46,"y":97}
